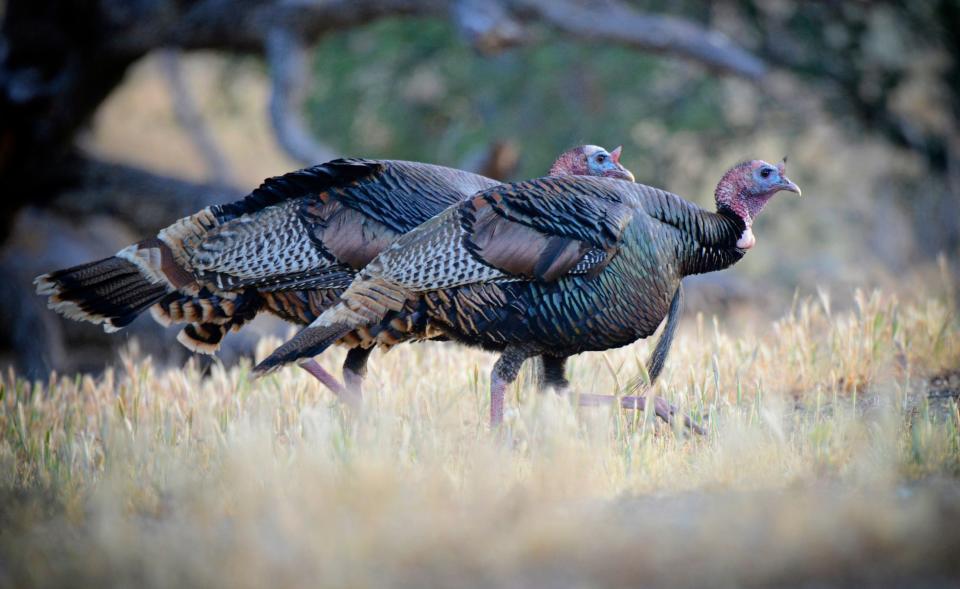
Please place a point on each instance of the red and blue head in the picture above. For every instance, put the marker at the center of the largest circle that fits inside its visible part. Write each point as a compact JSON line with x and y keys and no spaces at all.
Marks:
{"x":747,"y":187}
{"x":591,"y":160}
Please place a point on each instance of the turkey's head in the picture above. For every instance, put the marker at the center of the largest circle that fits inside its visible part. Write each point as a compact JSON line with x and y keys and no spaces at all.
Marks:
{"x":591,"y":160}
{"x":746,"y":188}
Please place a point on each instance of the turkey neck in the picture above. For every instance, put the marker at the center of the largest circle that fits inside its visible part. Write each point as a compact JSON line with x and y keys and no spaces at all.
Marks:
{"x":689,"y":238}
{"x":712,"y":243}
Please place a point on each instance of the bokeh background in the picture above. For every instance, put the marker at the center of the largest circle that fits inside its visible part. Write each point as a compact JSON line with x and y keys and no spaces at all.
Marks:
{"x":116,"y":118}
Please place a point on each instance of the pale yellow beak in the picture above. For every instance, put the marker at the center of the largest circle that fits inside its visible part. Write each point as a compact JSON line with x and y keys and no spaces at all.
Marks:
{"x":790,"y":186}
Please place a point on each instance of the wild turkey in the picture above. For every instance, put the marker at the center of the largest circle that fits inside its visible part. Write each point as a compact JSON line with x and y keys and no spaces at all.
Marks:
{"x":289,"y":248}
{"x":551,"y":267}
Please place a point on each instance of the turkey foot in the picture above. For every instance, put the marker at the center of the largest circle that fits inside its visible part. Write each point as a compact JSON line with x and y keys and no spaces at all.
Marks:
{"x":661,"y":407}
{"x":349,"y":395}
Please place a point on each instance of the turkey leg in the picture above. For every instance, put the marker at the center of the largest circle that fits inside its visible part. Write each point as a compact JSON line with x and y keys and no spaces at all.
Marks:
{"x":350,"y":397}
{"x":355,"y":369}
{"x":554,"y":368}
{"x":505,"y":371}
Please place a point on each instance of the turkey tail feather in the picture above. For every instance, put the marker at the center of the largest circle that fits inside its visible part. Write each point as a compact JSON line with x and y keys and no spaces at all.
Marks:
{"x":110,"y":292}
{"x":660,"y":352}
{"x":659,"y":357}
{"x":202,"y":338}
{"x":306,"y":344}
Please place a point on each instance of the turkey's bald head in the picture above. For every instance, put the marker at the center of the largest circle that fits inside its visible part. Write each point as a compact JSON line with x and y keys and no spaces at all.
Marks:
{"x":745,"y":189}
{"x":591,"y":160}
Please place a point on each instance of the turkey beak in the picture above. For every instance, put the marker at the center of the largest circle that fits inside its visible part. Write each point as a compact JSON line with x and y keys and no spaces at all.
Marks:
{"x":624,"y":173}
{"x":785,"y":183}
{"x":789,"y":186}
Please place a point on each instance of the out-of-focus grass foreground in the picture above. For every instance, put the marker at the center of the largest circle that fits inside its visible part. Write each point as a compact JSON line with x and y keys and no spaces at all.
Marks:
{"x":826,"y":363}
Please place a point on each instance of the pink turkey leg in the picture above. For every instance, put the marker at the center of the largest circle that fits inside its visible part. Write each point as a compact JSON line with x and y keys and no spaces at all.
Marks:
{"x":350,"y":397}
{"x":498,"y":390}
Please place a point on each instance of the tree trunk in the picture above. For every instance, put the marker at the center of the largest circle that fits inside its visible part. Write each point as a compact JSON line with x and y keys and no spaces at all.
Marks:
{"x":55,"y":70}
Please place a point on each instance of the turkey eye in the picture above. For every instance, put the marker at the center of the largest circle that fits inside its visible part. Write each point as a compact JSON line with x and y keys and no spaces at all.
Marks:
{"x":601,"y":158}
{"x":765,"y":173}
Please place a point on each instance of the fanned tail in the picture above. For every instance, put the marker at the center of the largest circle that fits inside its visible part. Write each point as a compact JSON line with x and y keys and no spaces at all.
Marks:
{"x":111,"y":292}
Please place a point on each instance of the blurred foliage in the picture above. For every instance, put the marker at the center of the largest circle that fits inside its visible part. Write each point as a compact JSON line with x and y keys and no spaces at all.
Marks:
{"x":864,"y":95}
{"x":414,"y":88}
{"x":415,"y":91}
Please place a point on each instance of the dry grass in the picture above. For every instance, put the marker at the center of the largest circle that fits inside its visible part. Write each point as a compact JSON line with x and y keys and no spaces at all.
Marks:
{"x":826,"y":465}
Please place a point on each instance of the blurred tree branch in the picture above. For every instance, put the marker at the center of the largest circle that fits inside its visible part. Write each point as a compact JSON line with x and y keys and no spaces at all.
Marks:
{"x":618,"y":23}
{"x":105,"y":188}
{"x":287,"y":56}
{"x":487,"y":26}
{"x":191,"y":120}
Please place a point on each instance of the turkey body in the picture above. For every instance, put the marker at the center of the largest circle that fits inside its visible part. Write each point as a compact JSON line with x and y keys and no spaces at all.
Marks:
{"x":554,"y":266}
{"x":289,"y":248}
{"x":549,"y":267}
{"x":576,"y":313}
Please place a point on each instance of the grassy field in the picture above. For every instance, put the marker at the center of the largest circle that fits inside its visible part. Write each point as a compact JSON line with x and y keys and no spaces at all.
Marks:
{"x":833,"y":459}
